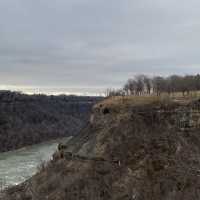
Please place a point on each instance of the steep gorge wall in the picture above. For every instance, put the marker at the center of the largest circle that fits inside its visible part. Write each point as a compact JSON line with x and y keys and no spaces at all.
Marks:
{"x":146,"y":152}
{"x":139,"y":152}
{"x":30,"y":119}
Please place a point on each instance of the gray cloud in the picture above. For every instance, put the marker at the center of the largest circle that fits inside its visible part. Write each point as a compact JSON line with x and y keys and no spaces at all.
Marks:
{"x":95,"y":43}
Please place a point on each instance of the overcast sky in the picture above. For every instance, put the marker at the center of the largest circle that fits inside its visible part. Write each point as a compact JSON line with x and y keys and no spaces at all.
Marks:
{"x":85,"y":46}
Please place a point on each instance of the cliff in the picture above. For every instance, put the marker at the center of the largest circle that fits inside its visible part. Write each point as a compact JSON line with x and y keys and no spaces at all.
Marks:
{"x":30,"y":119}
{"x":142,"y":148}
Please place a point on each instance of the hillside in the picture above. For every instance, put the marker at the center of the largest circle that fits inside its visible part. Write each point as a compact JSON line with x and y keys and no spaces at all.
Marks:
{"x":144,"y":148}
{"x":30,"y":119}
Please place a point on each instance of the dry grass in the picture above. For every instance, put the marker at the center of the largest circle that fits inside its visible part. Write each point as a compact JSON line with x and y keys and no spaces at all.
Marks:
{"x":192,"y":94}
{"x":121,"y":101}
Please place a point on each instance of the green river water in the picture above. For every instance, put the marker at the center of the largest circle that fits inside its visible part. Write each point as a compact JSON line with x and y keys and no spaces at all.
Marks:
{"x":17,"y":166}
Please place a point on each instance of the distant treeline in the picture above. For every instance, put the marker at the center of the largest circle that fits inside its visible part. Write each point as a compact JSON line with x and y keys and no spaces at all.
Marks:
{"x":144,"y":85}
{"x":29,"y":119}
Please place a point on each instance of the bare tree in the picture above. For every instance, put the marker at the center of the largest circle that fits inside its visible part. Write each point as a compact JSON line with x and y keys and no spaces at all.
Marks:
{"x":131,"y":86}
{"x":147,"y":84}
{"x":139,"y":84}
{"x":158,"y":85}
{"x":142,"y":84}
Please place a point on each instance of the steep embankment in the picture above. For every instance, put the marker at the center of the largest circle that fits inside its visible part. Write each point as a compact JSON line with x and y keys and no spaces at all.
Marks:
{"x":142,"y":149}
{"x":29,"y":119}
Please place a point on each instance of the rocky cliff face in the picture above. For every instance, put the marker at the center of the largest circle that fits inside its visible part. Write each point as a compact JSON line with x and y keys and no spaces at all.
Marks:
{"x":130,"y":150}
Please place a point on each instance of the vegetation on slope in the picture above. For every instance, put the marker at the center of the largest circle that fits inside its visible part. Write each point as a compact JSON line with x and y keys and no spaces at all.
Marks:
{"x":29,"y":119}
{"x":147,"y":151}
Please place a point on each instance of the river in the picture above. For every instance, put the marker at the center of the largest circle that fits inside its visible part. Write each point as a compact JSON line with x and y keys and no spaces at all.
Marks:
{"x":17,"y":166}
